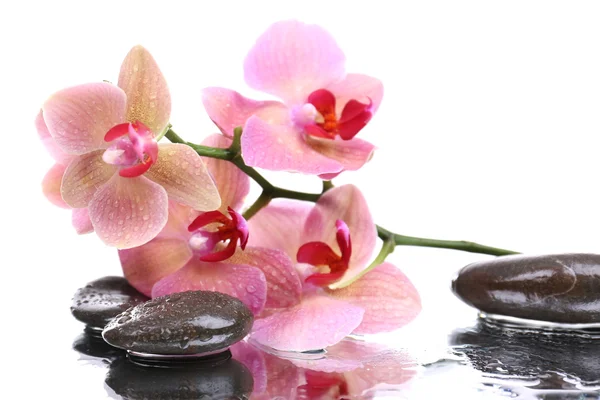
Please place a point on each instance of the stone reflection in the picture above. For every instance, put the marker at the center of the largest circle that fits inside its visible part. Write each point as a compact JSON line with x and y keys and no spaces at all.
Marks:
{"x":91,"y":344}
{"x":350,"y":369}
{"x":213,"y":378}
{"x":546,"y":360}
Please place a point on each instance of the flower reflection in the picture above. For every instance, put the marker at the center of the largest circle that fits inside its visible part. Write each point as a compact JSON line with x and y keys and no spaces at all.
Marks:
{"x":350,"y":369}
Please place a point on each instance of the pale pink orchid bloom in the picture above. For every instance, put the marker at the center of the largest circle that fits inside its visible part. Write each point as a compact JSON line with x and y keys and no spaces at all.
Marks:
{"x":312,"y":129}
{"x":207,"y":251}
{"x":350,"y":369}
{"x":117,"y":171}
{"x":333,"y":243}
{"x":53,"y":179}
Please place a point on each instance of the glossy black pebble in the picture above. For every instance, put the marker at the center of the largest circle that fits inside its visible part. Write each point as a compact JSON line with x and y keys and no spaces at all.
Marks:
{"x":192,"y":322}
{"x":562,"y":288}
{"x":227,"y":380}
{"x":101,"y":300}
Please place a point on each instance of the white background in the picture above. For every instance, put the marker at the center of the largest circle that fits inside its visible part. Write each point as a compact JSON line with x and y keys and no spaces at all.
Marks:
{"x":488,"y":132}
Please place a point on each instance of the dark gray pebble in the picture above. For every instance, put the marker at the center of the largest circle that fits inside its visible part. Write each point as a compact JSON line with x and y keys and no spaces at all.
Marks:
{"x":563,"y":288}
{"x":193,"y":322}
{"x":101,"y":300}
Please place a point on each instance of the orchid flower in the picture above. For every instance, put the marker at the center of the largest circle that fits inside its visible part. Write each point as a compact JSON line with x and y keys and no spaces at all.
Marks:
{"x":312,"y":130}
{"x":333,"y":243}
{"x":53,"y":179}
{"x":207,"y":251}
{"x":116,"y":170}
{"x":351,"y":369}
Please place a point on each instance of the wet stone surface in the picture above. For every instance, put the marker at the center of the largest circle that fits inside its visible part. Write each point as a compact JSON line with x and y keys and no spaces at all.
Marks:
{"x":101,"y":300}
{"x":562,"y":288}
{"x":228,"y":379}
{"x":194,"y":322}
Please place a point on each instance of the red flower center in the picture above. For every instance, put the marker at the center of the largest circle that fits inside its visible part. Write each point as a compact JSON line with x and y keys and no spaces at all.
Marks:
{"x":133,"y":148}
{"x":230,"y":230}
{"x":322,"y":255}
{"x":355,"y":116}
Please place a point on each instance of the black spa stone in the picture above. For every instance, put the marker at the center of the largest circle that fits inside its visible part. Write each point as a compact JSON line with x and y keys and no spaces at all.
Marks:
{"x":185,"y":323}
{"x":224,"y":381}
{"x":563,"y":288}
{"x":101,"y":300}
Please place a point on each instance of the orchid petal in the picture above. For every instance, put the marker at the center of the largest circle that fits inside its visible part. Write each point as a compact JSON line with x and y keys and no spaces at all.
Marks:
{"x":221,"y":255}
{"x":229,"y":109}
{"x":232,"y":183}
{"x":283,"y":284}
{"x":279,"y":226}
{"x":242,"y":281}
{"x":82,"y":178}
{"x":148,"y":97}
{"x":362,"y":88}
{"x":351,"y":154}
{"x":388,"y":297}
{"x":78,"y":117}
{"x":344,"y":203}
{"x":49,"y":143}
{"x":317,"y":322}
{"x":80,"y":218}
{"x":292,"y":59}
{"x":282,"y":148}
{"x":128,"y":212}
{"x":180,"y":170}
{"x":51,"y":185}
{"x":180,"y":217}
{"x":145,"y":265}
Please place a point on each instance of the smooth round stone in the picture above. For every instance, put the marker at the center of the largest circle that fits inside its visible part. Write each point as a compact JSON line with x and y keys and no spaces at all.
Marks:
{"x":195,"y":322}
{"x":101,"y":300}
{"x":227,"y":380}
{"x":562,"y":288}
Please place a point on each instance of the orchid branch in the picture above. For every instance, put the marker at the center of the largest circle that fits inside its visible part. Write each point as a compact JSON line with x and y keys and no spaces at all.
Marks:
{"x":270,"y":192}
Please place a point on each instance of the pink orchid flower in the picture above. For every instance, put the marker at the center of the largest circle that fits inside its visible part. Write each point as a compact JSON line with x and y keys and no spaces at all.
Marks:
{"x":117,"y":170}
{"x":333,"y":243}
{"x":312,"y":130}
{"x":207,"y":251}
{"x":53,"y":179}
{"x":350,"y":369}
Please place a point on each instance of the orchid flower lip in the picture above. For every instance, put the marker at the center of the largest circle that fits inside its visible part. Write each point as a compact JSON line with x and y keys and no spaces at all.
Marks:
{"x":133,"y":148}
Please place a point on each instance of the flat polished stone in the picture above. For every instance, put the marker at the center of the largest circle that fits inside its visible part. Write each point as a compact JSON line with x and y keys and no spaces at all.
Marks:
{"x":101,"y":300}
{"x":194,"y":322}
{"x":562,"y":288}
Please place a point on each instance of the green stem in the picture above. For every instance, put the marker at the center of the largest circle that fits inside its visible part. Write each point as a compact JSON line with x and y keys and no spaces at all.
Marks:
{"x":471,"y":247}
{"x":270,"y":192}
{"x":388,"y":248}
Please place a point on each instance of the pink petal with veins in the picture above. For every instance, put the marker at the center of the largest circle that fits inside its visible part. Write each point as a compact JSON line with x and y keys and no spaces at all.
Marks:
{"x":291,"y":59}
{"x":279,"y":225}
{"x":317,"y":322}
{"x":362,"y":88}
{"x":148,"y":97}
{"x":128,"y":212}
{"x":80,"y":218}
{"x":229,"y":109}
{"x":242,"y":281}
{"x":51,"y":185}
{"x":82,"y":178}
{"x":145,"y":265}
{"x":49,"y":143}
{"x":78,"y":117}
{"x":389,"y":299}
{"x":283,"y":284}
{"x":282,"y":148}
{"x":233,"y":184}
{"x":351,"y":154}
{"x":344,"y":203}
{"x":180,"y":170}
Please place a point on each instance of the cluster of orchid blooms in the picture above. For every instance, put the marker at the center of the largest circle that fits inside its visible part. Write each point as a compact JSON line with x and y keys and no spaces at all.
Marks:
{"x":173,"y":210}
